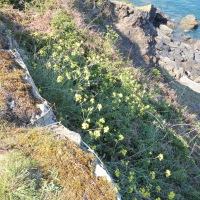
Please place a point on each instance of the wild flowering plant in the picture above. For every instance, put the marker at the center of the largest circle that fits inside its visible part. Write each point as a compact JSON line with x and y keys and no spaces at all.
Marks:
{"x":101,"y":96}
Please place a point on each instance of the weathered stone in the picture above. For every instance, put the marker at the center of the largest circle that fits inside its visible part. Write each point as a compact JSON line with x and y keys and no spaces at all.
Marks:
{"x":169,"y":68}
{"x":150,"y":9}
{"x":190,"y":54}
{"x":161,"y":63}
{"x":177,"y":51}
{"x":186,"y":66}
{"x":171,"y":24}
{"x":189,"y":22}
{"x":186,"y":37}
{"x":197,"y":45}
{"x":141,"y":34}
{"x":168,"y":61}
{"x":165,"y":29}
{"x":176,"y":73}
{"x":165,"y":53}
{"x":197,"y":80}
{"x":191,"y":84}
{"x":60,"y":129}
{"x":184,"y":45}
{"x":166,"y":39}
{"x":197,"y":57}
{"x":178,"y":58}
{"x":195,"y":73}
{"x":174,"y":44}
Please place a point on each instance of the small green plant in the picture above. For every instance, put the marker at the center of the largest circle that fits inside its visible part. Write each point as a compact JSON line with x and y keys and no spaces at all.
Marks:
{"x":156,"y":72}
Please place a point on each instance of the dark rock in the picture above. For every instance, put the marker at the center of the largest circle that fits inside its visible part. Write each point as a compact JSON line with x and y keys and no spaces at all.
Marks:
{"x":150,"y":9}
{"x":160,"y":18}
{"x":4,"y":41}
{"x":95,"y":11}
{"x":139,"y":30}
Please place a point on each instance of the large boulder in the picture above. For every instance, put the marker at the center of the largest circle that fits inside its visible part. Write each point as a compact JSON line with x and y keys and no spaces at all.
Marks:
{"x":189,"y":22}
{"x":150,"y":9}
{"x":137,"y":32}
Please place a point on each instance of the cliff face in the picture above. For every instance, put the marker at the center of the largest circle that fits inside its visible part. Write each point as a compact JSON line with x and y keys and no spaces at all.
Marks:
{"x":148,"y":39}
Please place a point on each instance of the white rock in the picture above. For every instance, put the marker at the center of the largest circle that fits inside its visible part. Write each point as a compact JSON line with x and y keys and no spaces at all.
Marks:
{"x":100,"y":171}
{"x":191,"y":84}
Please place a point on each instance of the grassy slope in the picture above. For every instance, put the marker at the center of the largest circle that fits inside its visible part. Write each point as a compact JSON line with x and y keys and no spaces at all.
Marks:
{"x":120,"y":112}
{"x":35,"y":164}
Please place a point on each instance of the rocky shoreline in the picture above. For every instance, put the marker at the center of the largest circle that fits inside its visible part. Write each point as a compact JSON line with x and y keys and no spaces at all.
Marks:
{"x":152,"y":41}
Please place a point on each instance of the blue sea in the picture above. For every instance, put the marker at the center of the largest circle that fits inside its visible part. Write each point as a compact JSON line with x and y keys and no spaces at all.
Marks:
{"x":176,"y":10}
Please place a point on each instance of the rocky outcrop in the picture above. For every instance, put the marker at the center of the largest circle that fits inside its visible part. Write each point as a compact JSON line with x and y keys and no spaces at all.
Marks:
{"x":180,"y":56}
{"x":137,"y":31}
{"x":189,"y":22}
{"x":148,"y":37}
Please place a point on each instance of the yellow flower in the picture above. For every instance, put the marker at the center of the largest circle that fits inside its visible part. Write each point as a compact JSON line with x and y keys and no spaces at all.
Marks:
{"x":114,"y":94}
{"x":121,"y":137}
{"x":99,"y":106}
{"x":123,"y":152}
{"x":160,"y":156}
{"x":85,"y":125}
{"x":153,"y":175}
{"x":120,"y":95}
{"x":158,"y":188}
{"x":48,"y":65}
{"x":97,"y":133}
{"x":92,"y":100}
{"x":171,"y":195}
{"x":106,"y":129}
{"x":59,"y":79}
{"x":78,"y":97}
{"x":102,"y":120}
{"x":167,"y":173}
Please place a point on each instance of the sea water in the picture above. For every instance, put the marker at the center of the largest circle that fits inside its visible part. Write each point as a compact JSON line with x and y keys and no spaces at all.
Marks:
{"x":176,"y":10}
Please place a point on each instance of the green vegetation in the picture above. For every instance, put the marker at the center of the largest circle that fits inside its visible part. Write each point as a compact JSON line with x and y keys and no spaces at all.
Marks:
{"x":120,"y":112}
